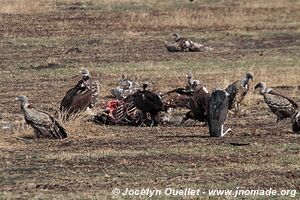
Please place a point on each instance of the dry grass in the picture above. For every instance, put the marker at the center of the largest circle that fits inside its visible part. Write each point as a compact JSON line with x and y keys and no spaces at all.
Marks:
{"x":25,"y":6}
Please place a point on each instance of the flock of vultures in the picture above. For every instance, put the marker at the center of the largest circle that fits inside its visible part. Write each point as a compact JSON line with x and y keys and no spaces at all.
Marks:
{"x":134,"y":104}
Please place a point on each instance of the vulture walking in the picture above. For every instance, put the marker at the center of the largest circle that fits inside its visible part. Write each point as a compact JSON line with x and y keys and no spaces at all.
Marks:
{"x":217,"y":113}
{"x":283,"y":107}
{"x":149,"y":103}
{"x":82,"y":96}
{"x":296,"y":122}
{"x":44,"y":125}
{"x":237,"y":91}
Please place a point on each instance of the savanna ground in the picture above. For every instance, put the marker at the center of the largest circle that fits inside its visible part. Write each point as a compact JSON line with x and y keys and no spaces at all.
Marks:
{"x":127,"y":36}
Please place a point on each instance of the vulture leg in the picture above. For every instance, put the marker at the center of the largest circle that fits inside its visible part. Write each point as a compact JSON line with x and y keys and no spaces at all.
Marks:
{"x":228,"y":130}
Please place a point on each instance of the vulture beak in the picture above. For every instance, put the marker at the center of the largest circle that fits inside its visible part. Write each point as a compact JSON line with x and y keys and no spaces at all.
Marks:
{"x":17,"y":98}
{"x":227,"y":94}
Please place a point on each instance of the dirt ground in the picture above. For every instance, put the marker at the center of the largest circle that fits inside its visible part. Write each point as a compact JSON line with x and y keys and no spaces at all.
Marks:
{"x":38,"y":59}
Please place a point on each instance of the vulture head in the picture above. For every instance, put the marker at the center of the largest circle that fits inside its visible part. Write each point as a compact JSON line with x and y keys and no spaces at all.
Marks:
{"x":249,"y":76}
{"x":85,"y":74}
{"x":177,"y":36}
{"x":22,"y":99}
{"x":263,"y":88}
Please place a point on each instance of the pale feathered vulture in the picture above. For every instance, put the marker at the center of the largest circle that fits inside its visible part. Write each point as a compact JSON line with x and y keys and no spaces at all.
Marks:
{"x":183,"y":43}
{"x":281,"y":106}
{"x":238,"y":90}
{"x":198,"y":103}
{"x":217,"y":112}
{"x":296,"y":122}
{"x":44,"y":125}
{"x":149,"y":103}
{"x":83,"y":95}
{"x":125,"y":88}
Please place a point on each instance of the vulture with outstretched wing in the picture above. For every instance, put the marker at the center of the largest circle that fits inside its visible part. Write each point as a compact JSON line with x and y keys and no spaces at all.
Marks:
{"x":237,"y":91}
{"x":217,"y":113}
{"x":149,"y":103}
{"x":280,"y":105}
{"x":44,"y":125}
{"x":82,"y":96}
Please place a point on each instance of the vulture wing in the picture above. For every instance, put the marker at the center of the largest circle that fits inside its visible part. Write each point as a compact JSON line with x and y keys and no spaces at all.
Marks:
{"x":217,"y":112}
{"x":289,"y":99}
{"x":280,"y":105}
{"x":199,"y":105}
{"x":45,"y":126}
{"x":154,"y":100}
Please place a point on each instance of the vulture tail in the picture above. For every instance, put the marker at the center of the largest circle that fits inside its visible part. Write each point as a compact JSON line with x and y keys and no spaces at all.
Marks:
{"x":57,"y":131}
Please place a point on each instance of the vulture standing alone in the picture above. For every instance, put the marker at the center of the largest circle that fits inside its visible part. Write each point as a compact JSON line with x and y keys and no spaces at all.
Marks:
{"x":217,"y":113}
{"x":237,"y":91}
{"x":44,"y":125}
{"x":149,"y":103}
{"x":281,"y":106}
{"x":82,"y":96}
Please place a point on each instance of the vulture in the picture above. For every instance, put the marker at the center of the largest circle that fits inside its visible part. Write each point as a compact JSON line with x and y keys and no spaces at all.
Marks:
{"x":237,"y":91}
{"x":217,"y":112}
{"x":82,"y":96}
{"x":296,"y":122}
{"x":177,"y":98}
{"x":198,"y":104}
{"x":125,"y":87}
{"x":44,"y":125}
{"x":149,"y":103}
{"x":281,"y":106}
{"x":183,"y":43}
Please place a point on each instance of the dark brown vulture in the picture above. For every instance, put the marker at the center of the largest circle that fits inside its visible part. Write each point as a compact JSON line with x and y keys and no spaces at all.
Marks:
{"x":237,"y":91}
{"x":198,"y":104}
{"x":217,"y":113}
{"x":183,"y":43}
{"x":44,"y":125}
{"x":177,"y":98}
{"x":296,"y":122}
{"x":149,"y":103}
{"x":281,"y":106}
{"x":82,"y":96}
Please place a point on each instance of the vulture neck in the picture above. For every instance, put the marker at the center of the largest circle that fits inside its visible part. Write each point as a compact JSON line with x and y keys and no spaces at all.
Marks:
{"x":190,"y":81}
{"x":245,"y":82}
{"x":25,"y":106}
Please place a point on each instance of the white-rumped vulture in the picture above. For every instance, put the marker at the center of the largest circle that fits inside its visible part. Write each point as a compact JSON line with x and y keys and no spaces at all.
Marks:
{"x":217,"y":112}
{"x":44,"y":125}
{"x":281,"y":106}
{"x":237,"y":91}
